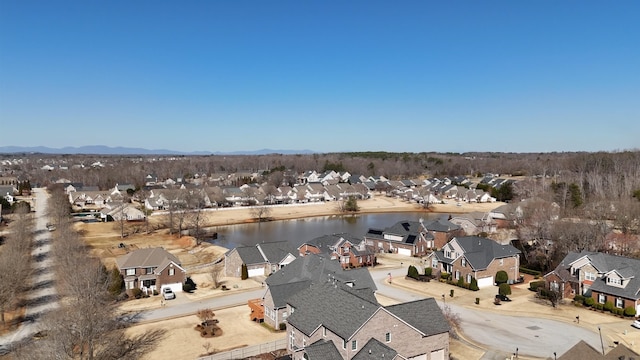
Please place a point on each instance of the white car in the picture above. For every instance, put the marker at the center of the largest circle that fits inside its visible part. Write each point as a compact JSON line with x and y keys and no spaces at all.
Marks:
{"x":636,"y":324}
{"x":168,"y":294}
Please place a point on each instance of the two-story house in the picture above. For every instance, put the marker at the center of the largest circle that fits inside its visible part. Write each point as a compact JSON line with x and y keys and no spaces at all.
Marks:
{"x":302,"y":273}
{"x":349,"y":250}
{"x":473,"y":256}
{"x":151,"y":270}
{"x":329,"y":321}
{"x":601,"y":276}
{"x":409,"y":238}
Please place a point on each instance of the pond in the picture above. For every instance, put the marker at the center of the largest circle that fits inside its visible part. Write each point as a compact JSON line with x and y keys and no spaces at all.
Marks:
{"x":300,"y":230}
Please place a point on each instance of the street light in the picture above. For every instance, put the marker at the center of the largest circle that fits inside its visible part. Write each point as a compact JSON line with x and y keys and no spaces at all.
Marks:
{"x":601,"y":343}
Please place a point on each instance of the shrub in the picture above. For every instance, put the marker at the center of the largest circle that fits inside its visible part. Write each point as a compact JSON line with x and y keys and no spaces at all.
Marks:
{"x":190,"y":282}
{"x":460,"y":282}
{"x":534,"y":285}
{"x":428,"y":271}
{"x":186,"y":287}
{"x":474,"y":284}
{"x":589,"y":301}
{"x":413,"y":272}
{"x":282,"y":326}
{"x":136,"y":293}
{"x":608,"y":306}
{"x":618,"y":311}
{"x":116,"y":283}
{"x":504,"y":289}
{"x":445,"y":275}
{"x":578,"y":299}
{"x":598,"y":306}
{"x":244,"y":275}
{"x":155,"y":292}
{"x":629,"y":311}
{"x":501,"y":277}
{"x":530,"y":271}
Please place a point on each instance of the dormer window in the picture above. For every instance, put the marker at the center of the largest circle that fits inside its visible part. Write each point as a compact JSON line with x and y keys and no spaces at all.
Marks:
{"x":614,"y":281}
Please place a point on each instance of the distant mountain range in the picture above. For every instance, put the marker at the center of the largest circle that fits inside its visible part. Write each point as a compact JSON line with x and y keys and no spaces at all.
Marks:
{"x":107,"y":150}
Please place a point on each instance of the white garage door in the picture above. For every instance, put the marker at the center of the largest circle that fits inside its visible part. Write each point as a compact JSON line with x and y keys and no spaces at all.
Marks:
{"x":256,"y":272}
{"x":176,"y":287}
{"x":485,"y":282}
{"x":437,"y":355}
{"x":405,"y":252}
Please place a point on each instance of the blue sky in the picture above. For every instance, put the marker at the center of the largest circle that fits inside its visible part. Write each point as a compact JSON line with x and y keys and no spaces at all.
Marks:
{"x":409,"y":76}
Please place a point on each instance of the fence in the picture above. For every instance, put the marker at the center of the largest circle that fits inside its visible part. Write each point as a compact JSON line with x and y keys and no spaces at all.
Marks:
{"x":247,"y":351}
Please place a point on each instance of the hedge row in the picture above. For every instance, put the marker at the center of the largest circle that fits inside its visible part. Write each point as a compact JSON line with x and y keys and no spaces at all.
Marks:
{"x":530,"y":271}
{"x":607,"y":306}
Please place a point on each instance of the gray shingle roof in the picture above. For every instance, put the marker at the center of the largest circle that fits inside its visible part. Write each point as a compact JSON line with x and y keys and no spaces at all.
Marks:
{"x":374,"y":349}
{"x":322,"y":350}
{"x":408,"y":230}
{"x":318,"y":269}
{"x":143,"y":258}
{"x":276,"y":251}
{"x":424,"y":315}
{"x":250,"y":255}
{"x":281,"y":292}
{"x":481,"y":251}
{"x":332,"y":306}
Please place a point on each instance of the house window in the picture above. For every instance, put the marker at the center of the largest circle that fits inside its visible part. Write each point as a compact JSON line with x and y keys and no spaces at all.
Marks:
{"x":501,"y":262}
{"x":130,"y":285}
{"x":172,"y":271}
{"x":602,"y":298}
{"x":614,"y":281}
{"x":469,"y":277}
{"x":292,"y":340}
{"x":589,"y":276}
{"x":619,"y":303}
{"x":130,"y":272}
{"x":464,"y":262}
{"x":457,"y":275}
{"x":449,"y":254}
{"x":148,"y":270}
{"x":387,"y":337}
{"x":360,"y":260}
{"x":354,"y":345}
{"x":284,"y":315}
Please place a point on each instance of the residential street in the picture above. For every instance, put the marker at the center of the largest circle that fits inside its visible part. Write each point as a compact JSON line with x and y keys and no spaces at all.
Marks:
{"x":42,"y":296}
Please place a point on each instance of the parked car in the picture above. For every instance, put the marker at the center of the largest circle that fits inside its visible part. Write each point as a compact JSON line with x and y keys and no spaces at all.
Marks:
{"x":168,"y":294}
{"x":636,"y":324}
{"x":502,"y":297}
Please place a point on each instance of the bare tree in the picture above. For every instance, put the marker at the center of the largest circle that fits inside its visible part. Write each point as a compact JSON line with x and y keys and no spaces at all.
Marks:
{"x":15,"y":262}
{"x":261,"y":212}
{"x":215,"y":273}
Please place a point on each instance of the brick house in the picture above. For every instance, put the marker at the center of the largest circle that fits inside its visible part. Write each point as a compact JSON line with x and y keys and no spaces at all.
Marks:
{"x":409,"y":238}
{"x":300,"y":274}
{"x":349,"y":250}
{"x":151,"y":270}
{"x":443,"y":230}
{"x":473,"y":256}
{"x":261,"y":260}
{"x":601,"y":276}
{"x":329,"y":321}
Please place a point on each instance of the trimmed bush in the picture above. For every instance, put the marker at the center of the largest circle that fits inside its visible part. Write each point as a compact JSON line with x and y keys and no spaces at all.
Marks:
{"x":474,"y":284}
{"x":428,"y":271}
{"x":589,"y":301}
{"x":534,"y":285}
{"x":608,"y":306}
{"x":413,"y":272}
{"x":501,"y":277}
{"x":244,"y":272}
{"x":136,"y":293}
{"x":629,"y":311}
{"x":530,"y":271}
{"x":578,"y":299}
{"x":598,"y":306}
{"x":445,"y":275}
{"x":186,"y":287}
{"x":460,"y":282}
{"x":504,"y":289}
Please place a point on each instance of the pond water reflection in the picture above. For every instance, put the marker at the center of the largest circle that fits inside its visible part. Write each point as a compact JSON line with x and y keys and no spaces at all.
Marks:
{"x":300,"y":230}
